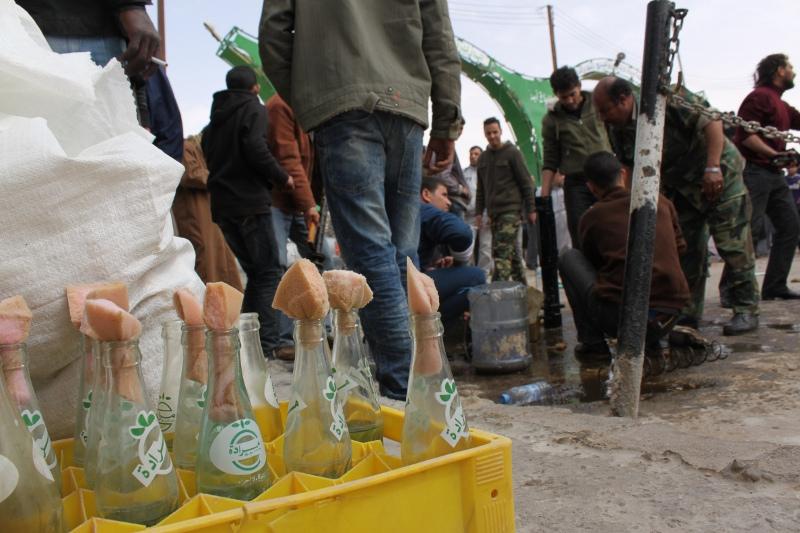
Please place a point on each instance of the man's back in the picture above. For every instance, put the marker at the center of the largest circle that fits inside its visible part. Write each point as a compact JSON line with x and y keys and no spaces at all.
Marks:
{"x":440,"y":228}
{"x":604,"y":236}
{"x":350,"y":54}
{"x":234,"y":144}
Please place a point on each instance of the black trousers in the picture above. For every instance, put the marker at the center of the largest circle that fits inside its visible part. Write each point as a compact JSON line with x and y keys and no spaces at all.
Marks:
{"x":770,"y":196}
{"x":252,"y":241}
{"x":577,"y":199}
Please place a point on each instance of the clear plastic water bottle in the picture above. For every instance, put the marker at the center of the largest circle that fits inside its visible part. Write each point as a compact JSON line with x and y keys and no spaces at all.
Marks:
{"x":536,"y":392}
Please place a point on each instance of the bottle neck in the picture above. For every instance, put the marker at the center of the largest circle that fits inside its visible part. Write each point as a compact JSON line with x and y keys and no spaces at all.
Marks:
{"x":426,"y":326}
{"x":13,"y":356}
{"x":223,"y":346}
{"x":308,"y":333}
{"x":345,"y":322}
{"x":121,"y":363}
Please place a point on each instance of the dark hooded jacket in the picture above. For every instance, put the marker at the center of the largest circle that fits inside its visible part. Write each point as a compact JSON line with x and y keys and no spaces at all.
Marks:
{"x":241,"y":168}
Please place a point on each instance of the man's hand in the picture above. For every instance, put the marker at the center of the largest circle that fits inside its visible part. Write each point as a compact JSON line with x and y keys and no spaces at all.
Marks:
{"x":311,"y":216}
{"x":532,"y":217}
{"x":444,"y":262}
{"x":289,"y":185}
{"x":143,"y":42}
{"x":445,"y":152}
{"x":478,"y":221}
{"x":712,"y":185}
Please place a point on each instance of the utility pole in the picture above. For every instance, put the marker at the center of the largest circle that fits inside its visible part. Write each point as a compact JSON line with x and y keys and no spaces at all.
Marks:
{"x":552,"y":35}
{"x":627,"y":366}
{"x":162,"y":31}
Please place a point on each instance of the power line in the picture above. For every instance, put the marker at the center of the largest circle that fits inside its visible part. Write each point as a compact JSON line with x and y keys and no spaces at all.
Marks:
{"x":582,"y":27}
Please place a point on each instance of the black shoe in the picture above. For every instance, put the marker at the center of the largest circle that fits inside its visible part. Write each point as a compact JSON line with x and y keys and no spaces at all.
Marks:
{"x":741,"y":323}
{"x":689,"y":322}
{"x":787,"y":294}
{"x":596,"y":351}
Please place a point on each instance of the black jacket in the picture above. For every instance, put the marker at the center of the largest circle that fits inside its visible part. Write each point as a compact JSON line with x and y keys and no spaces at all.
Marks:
{"x":241,"y":168}
{"x":79,"y":18}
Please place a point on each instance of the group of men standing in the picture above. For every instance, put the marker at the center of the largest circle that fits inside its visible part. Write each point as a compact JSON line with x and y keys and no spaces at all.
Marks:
{"x":714,"y":186}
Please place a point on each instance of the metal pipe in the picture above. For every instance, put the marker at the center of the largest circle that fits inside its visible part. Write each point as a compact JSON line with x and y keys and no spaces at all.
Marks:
{"x":627,"y":366}
{"x":548,"y":260}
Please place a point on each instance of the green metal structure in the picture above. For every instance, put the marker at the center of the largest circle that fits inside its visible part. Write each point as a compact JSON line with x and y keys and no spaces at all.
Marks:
{"x":522,"y":99}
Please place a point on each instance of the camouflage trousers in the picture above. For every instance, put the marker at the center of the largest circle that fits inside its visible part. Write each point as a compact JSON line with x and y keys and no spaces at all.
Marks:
{"x":507,"y":260}
{"x":728,"y":222}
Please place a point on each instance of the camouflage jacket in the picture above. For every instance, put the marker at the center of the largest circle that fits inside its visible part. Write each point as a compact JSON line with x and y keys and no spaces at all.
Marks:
{"x":683,"y":159}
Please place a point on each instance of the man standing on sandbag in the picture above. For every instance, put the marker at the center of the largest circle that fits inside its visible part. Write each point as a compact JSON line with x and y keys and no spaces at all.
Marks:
{"x":242,"y":171}
{"x":359,"y":75}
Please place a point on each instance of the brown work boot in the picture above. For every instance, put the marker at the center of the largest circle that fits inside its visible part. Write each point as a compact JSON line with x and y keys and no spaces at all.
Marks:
{"x":285,"y":353}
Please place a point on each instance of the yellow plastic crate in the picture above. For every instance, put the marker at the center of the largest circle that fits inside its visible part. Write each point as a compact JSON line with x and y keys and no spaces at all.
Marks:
{"x":464,"y":492}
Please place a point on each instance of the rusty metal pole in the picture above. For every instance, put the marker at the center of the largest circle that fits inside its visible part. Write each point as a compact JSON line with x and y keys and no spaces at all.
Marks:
{"x":162,"y":31}
{"x":551,"y":26}
{"x":627,"y":365}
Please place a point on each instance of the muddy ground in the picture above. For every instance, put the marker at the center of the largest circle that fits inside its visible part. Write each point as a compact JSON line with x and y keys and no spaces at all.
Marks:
{"x":716,"y":447}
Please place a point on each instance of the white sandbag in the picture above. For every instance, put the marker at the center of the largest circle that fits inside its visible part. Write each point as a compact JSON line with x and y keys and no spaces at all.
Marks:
{"x":84,"y":197}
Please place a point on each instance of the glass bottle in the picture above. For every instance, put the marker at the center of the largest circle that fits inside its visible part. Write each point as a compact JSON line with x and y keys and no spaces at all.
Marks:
{"x":95,"y":420}
{"x":354,"y":379}
{"x":434,"y":423}
{"x":90,"y":359}
{"x":232,"y":458}
{"x":257,"y":380}
{"x":167,"y":407}
{"x":192,"y":395}
{"x":29,"y":498}
{"x":135,"y":480}
{"x":316,"y":440}
{"x":14,"y":361}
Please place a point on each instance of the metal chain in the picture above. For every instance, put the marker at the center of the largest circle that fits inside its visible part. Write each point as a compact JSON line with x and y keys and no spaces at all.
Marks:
{"x":673,"y":44}
{"x":729,"y":117}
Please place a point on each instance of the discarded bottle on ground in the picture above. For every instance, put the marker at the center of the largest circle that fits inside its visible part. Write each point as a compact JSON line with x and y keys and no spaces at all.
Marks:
{"x":542,"y":393}
{"x":135,"y":480}
{"x":232,"y":458}
{"x":536,"y":392}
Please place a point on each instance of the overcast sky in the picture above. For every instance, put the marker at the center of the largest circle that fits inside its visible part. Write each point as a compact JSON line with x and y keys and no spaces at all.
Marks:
{"x":721,"y":42}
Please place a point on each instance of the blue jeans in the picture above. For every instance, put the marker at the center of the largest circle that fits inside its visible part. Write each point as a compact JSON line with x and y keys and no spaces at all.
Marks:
{"x":371,"y":168}
{"x":286,"y":225}
{"x":102,"y":49}
{"x":453,"y":284}
{"x":252,"y":241}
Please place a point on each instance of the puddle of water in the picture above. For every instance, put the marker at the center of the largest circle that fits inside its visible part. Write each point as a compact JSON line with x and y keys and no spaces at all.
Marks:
{"x":746,"y":347}
{"x":785,"y":327}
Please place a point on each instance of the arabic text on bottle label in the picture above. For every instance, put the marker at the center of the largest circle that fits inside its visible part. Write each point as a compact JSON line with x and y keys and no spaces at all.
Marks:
{"x":239,"y":449}
{"x":455,"y":427}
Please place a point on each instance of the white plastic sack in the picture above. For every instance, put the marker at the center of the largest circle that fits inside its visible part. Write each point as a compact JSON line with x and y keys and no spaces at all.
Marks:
{"x":84,"y":197}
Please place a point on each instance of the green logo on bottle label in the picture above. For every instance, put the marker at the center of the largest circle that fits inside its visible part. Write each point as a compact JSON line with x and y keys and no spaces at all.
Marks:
{"x":153,"y":460}
{"x":238,"y":448}
{"x":455,"y":426}
{"x":35,"y":424}
{"x":339,"y":424}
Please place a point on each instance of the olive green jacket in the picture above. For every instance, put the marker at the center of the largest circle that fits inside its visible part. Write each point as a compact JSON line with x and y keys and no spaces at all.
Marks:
{"x":326,"y":57}
{"x":684,"y":155}
{"x":568,"y":140}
